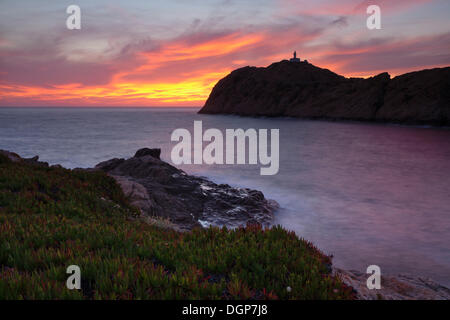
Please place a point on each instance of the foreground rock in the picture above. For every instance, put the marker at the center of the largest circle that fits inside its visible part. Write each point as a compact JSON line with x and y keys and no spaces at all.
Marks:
{"x":161,"y":190}
{"x":401,"y":287}
{"x":14,"y":157}
{"x":304,"y":90}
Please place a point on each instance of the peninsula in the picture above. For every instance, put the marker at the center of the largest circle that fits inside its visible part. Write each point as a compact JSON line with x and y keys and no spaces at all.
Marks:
{"x":296,"y":88}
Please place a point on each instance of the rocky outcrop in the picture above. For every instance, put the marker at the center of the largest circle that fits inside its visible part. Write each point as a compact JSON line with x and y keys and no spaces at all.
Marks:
{"x":400,"y":287}
{"x":306,"y":91}
{"x":14,"y":157}
{"x":183,"y":201}
{"x":155,"y":153}
{"x":161,"y":190}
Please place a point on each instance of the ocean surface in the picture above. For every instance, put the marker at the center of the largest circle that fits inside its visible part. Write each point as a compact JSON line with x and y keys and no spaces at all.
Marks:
{"x":366,"y":193}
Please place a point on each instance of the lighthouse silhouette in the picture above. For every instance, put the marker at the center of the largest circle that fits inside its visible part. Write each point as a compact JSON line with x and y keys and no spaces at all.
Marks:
{"x":294,"y":59}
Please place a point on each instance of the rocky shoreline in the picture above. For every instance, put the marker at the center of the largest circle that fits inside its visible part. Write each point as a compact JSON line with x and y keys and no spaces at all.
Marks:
{"x":161,"y":190}
{"x":398,"y":287}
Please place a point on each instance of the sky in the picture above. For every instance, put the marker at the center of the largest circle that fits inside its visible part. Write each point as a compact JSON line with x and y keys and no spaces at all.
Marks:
{"x":171,"y":53}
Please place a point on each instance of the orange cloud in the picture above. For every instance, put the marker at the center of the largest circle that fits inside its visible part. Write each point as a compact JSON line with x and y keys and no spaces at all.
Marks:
{"x":216,"y":47}
{"x":190,"y":92}
{"x":191,"y":88}
{"x":182,"y":71}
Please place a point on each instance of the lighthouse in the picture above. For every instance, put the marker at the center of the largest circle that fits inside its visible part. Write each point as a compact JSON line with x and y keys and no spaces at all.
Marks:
{"x":295,"y":59}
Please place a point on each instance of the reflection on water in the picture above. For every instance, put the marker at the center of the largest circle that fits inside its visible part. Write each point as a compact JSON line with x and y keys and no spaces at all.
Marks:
{"x":368,"y":194}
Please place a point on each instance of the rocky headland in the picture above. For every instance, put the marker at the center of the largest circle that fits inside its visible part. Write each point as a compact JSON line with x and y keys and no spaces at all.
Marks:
{"x":300,"y":89}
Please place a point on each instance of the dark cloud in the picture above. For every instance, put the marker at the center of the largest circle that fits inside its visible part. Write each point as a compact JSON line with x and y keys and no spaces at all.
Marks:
{"x":340,"y":22}
{"x":389,"y":54}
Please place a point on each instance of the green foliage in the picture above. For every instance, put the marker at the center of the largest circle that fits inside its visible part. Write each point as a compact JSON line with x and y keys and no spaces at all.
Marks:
{"x":51,"y":218}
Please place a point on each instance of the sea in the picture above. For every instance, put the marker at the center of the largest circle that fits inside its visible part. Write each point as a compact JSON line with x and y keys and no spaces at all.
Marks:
{"x":368,"y":194}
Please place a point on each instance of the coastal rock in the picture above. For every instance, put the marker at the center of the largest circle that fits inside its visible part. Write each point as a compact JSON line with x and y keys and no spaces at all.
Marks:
{"x":400,"y":287}
{"x":14,"y":157}
{"x":136,"y":193}
{"x":421,"y":97}
{"x":306,"y":91}
{"x":155,"y":153}
{"x":161,"y":190}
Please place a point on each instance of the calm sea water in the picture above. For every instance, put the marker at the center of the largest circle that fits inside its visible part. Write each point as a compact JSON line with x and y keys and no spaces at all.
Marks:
{"x":368,"y":194}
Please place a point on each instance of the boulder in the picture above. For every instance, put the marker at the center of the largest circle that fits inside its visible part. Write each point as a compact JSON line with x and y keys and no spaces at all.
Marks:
{"x":155,"y":153}
{"x":14,"y":157}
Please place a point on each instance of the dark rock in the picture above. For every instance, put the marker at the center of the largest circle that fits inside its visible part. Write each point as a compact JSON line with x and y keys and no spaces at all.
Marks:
{"x":109,"y":165}
{"x":33,"y":159}
{"x":162,"y":190}
{"x":394,"y":287}
{"x":91,"y":170}
{"x":155,"y":153}
{"x":14,"y":157}
{"x":306,"y":91}
{"x":418,"y":97}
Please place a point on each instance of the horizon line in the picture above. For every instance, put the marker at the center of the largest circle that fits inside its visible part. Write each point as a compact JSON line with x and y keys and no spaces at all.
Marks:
{"x":147,"y":107}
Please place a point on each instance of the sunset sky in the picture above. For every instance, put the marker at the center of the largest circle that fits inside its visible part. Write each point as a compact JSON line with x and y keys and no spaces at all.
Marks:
{"x":171,"y":53}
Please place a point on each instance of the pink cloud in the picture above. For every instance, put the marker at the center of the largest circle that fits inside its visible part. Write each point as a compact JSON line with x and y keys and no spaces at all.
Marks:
{"x":182,"y":70}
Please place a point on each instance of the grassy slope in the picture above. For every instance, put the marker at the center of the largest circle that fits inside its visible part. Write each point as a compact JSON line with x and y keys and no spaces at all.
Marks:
{"x":51,"y":218}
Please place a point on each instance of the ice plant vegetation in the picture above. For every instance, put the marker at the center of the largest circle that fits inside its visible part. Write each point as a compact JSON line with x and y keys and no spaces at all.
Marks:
{"x":51,"y":218}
